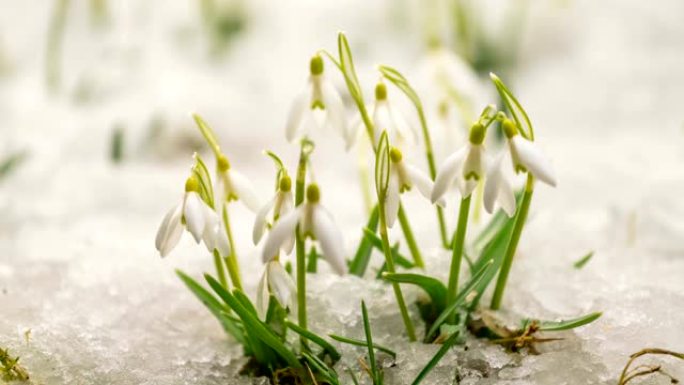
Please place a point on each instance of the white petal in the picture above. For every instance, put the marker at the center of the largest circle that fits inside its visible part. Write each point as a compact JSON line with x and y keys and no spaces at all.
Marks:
{"x":419,"y":179}
{"x":393,"y":200}
{"x":335,"y":107}
{"x":507,"y":197}
{"x":283,"y":230}
{"x":194,"y":215}
{"x":211,"y":226}
{"x":355,"y":129}
{"x":475,"y":161}
{"x":534,"y":160}
{"x":381,"y":122}
{"x":330,"y":239}
{"x":244,"y":190}
{"x":281,"y":284}
{"x":262,"y":295}
{"x":222,"y":243}
{"x":260,"y":221}
{"x":491,"y":190}
{"x":404,"y":131}
{"x":447,"y":173}
{"x":294,"y":119}
{"x":170,"y":231}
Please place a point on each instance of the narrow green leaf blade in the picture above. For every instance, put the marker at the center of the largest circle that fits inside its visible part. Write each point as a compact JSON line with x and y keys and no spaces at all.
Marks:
{"x":583,"y":261}
{"x":433,"y":287}
{"x":554,"y":326}
{"x":318,"y":340}
{"x":369,"y":343}
{"x":215,"y":307}
{"x":436,"y":358}
{"x":463,"y":293}
{"x":355,"y":342}
{"x":361,"y":259}
{"x":253,"y":324}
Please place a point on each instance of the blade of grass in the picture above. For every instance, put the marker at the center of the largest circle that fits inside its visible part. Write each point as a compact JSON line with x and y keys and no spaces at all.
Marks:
{"x":253,"y":325}
{"x":436,"y":358}
{"x":554,"y":326}
{"x":355,"y":342}
{"x":369,"y":344}
{"x":215,"y":307}
{"x":463,"y":293}
{"x":318,"y":340}
{"x":361,"y":259}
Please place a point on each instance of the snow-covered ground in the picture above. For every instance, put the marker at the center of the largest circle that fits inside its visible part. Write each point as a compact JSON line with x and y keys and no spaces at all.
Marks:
{"x":78,"y":270}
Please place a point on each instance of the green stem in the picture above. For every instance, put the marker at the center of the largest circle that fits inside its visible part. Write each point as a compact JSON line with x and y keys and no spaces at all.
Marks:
{"x":433,"y":172}
{"x":219,"y":270}
{"x":457,"y":251}
{"x":300,"y":183}
{"x":231,"y":260}
{"x":410,"y":239}
{"x":386,"y":248}
{"x":513,"y":244}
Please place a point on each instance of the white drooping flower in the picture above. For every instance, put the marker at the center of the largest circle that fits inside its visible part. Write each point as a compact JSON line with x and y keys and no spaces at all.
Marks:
{"x":231,"y":185}
{"x":321,"y":95}
{"x":278,"y":282}
{"x":466,"y":166}
{"x":498,"y":187}
{"x":280,"y":205}
{"x":403,"y":177}
{"x":526,"y":156}
{"x":314,"y":221}
{"x":197,"y":217}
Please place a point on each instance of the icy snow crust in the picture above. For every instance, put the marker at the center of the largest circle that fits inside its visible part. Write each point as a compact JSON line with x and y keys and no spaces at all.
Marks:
{"x":79,"y":274}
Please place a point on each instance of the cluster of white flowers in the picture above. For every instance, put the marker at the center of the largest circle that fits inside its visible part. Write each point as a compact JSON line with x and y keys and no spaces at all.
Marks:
{"x":310,"y":220}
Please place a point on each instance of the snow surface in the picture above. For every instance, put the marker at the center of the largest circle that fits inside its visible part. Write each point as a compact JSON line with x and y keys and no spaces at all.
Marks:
{"x":79,"y":272}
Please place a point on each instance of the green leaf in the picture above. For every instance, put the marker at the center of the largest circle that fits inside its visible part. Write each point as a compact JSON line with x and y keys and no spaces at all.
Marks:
{"x":361,"y":259}
{"x":355,"y":342}
{"x":583,"y":261}
{"x":324,"y":370}
{"x":382,"y":168}
{"x":518,"y":112}
{"x":433,"y":287}
{"x":347,"y":67}
{"x":215,"y":307}
{"x":436,"y":358}
{"x":494,"y":226}
{"x":377,"y":243}
{"x":318,"y":340}
{"x":493,"y":253}
{"x":369,"y":344}
{"x":463,"y":293}
{"x":252,"y":323}
{"x":396,"y":78}
{"x":554,"y":326}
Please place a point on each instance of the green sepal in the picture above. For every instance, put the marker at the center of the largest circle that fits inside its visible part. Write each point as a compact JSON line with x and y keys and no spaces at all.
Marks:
{"x":516,"y":109}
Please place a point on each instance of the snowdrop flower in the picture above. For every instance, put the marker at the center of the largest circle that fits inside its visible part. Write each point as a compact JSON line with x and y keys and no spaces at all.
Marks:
{"x":498,"y":187}
{"x":281,"y":204}
{"x":466,"y":166}
{"x":231,"y":185}
{"x":526,"y":156}
{"x":386,"y":118}
{"x":314,"y":221}
{"x":278,"y":282}
{"x":319,"y":95}
{"x":197,"y":217}
{"x":403,"y":176}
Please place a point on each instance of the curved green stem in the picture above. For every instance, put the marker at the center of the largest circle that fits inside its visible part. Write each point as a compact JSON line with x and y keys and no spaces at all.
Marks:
{"x":410,"y":239}
{"x":457,"y":251}
{"x":387,"y":249}
{"x":497,"y":299}
{"x":231,"y":260}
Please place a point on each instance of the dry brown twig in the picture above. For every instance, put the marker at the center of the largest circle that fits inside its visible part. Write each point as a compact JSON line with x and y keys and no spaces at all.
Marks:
{"x":644,"y":370}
